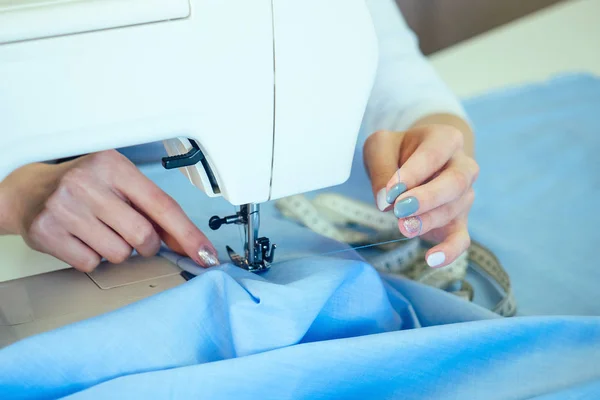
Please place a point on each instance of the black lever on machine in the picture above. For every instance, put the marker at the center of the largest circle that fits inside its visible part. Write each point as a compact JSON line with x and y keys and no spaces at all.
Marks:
{"x":192,"y":157}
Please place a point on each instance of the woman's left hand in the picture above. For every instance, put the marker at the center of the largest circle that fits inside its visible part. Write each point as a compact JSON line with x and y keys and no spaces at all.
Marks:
{"x":425,"y":175}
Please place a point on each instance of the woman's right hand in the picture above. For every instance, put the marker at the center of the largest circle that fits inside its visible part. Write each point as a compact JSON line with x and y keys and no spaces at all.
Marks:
{"x":96,"y":206}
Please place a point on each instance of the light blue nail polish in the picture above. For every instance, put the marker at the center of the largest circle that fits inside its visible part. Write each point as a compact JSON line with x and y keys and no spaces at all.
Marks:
{"x":394,"y":192}
{"x":406,"y":207}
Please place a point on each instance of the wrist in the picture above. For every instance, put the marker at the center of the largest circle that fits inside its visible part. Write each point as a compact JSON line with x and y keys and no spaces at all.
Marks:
{"x":21,"y":191}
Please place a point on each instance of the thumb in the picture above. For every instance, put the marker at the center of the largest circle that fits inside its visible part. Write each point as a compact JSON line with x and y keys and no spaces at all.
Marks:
{"x":381,"y":156}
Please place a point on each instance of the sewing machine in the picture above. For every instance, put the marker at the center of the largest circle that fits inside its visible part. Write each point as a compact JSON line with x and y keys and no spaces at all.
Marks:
{"x":249,"y":97}
{"x":254,"y":100}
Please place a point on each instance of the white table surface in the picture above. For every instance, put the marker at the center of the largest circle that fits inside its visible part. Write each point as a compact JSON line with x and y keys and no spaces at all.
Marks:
{"x":562,"y":38}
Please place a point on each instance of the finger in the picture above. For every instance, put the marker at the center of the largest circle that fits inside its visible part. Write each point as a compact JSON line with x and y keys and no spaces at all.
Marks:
{"x":456,"y":242}
{"x":78,"y":220}
{"x":122,"y":218}
{"x":47,"y":236}
{"x":98,"y":237}
{"x":439,"y":144}
{"x":422,"y":224}
{"x":76,"y":253}
{"x":381,"y":157}
{"x":450,"y":185}
{"x":170,"y":241}
{"x":165,"y":212}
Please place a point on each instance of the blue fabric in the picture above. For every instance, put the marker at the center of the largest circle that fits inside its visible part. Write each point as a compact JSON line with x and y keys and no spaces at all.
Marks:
{"x":331,"y":327}
{"x":316,"y":328}
{"x":539,"y":191}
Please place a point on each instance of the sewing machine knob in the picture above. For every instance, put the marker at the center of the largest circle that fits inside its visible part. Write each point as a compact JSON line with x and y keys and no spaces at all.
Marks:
{"x":215,"y":222}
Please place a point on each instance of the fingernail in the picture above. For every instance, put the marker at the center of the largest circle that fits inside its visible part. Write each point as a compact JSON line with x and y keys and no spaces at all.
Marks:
{"x":413,"y":225}
{"x":394,"y":192}
{"x":406,"y":207}
{"x":436,"y":259}
{"x":207,"y":257}
{"x":382,"y":204}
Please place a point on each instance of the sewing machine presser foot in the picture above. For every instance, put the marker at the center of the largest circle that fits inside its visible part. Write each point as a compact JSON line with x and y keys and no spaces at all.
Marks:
{"x":257,"y":266}
{"x":259,"y":252}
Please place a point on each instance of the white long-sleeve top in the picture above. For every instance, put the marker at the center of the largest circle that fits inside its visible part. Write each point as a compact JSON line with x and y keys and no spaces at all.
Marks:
{"x":406,"y":87}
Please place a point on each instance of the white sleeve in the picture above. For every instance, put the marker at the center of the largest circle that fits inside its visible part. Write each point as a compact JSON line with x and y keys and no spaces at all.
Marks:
{"x":406,"y":88}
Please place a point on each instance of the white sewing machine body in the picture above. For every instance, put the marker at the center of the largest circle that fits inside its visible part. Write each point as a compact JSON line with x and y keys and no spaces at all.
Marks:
{"x":272,"y":92}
